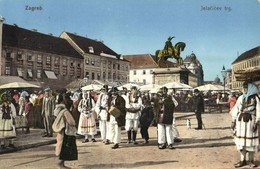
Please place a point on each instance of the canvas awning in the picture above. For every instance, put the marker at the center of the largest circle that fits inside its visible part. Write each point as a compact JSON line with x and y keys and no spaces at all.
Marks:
{"x":252,"y":73}
{"x":50,"y":74}
{"x":30,"y":73}
{"x":20,"y":73}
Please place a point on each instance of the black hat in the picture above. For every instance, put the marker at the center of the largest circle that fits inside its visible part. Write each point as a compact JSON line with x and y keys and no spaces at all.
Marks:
{"x":105,"y":87}
{"x":196,"y":91}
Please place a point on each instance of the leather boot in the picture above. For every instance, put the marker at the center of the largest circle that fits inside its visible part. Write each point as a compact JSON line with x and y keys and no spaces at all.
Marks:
{"x":129,"y":136}
{"x":134,"y":137}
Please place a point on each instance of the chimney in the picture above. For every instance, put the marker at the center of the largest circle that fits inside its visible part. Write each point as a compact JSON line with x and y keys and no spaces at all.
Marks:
{"x":1,"y":43}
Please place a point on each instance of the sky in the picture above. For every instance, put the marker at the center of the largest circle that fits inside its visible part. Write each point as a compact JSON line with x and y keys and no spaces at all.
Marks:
{"x":216,"y":31}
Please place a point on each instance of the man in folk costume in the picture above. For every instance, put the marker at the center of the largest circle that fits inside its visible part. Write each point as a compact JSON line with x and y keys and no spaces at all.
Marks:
{"x":48,"y":106}
{"x":7,"y":115}
{"x":133,"y":108}
{"x":245,"y":118}
{"x":117,"y":120}
{"x":101,"y":109}
{"x":165,"y":120}
{"x":87,"y":121}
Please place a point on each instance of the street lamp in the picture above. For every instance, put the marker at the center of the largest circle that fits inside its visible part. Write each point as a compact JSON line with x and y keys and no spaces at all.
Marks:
{"x":224,"y":74}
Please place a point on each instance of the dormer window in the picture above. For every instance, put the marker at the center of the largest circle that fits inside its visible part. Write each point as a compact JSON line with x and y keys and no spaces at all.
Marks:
{"x":91,"y":49}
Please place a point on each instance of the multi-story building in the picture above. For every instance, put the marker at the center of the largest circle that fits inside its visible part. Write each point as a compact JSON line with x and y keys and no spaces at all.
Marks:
{"x":38,"y":57}
{"x":57,"y":61}
{"x":193,"y":64}
{"x":246,"y":66}
{"x":100,"y":62}
{"x":144,"y":69}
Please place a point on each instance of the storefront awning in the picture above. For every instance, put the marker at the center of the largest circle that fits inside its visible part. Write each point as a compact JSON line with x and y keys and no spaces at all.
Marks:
{"x":20,"y":73}
{"x":30,"y":73}
{"x":252,"y":73}
{"x":50,"y":74}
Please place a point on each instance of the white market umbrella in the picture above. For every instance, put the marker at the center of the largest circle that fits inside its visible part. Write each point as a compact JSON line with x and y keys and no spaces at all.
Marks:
{"x":92,"y":87}
{"x":176,"y":85}
{"x":212,"y":87}
{"x":18,"y":85}
{"x":130,"y":85}
{"x":148,"y":87}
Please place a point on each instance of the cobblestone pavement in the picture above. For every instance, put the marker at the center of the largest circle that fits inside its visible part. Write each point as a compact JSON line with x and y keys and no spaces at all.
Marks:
{"x":212,"y":147}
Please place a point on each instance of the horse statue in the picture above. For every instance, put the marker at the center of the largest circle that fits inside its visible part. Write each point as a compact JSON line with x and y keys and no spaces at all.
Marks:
{"x":171,"y":52}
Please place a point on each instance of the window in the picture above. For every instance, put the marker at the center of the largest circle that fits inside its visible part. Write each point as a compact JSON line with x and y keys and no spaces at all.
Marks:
{"x":8,"y":55}
{"x":114,"y":76}
{"x":87,"y":61}
{"x":144,"y":72}
{"x":91,"y":49}
{"x":93,"y":76}
{"x":19,"y":55}
{"x":71,"y":64}
{"x":92,"y":63}
{"x":134,"y":72}
{"x":64,"y":62}
{"x":144,"y":81}
{"x":29,"y":56}
{"x":56,"y":61}
{"x":114,"y":66}
{"x":151,"y":71}
{"x":118,"y":67}
{"x":104,"y":75}
{"x":39,"y":74}
{"x":48,"y":60}
{"x":98,"y":76}
{"x":87,"y":75}
{"x":7,"y":70}
{"x":39,"y":58}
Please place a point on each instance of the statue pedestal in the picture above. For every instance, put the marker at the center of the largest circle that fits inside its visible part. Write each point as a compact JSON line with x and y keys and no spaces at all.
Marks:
{"x":166,"y":75}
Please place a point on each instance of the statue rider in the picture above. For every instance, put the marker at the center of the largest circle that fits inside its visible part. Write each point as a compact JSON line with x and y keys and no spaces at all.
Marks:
{"x":168,"y":45}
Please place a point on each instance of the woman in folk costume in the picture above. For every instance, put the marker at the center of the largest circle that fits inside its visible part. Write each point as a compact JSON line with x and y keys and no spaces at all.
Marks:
{"x":133,"y":108}
{"x":7,"y":115}
{"x":22,"y":102}
{"x":28,"y":113}
{"x":116,"y":120}
{"x":66,"y":148}
{"x":87,"y":122}
{"x":101,"y":109}
{"x":245,"y":118}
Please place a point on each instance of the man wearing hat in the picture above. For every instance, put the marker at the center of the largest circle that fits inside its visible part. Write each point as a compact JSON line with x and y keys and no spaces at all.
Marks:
{"x":116,"y":120}
{"x":165,"y":119}
{"x":48,"y":106}
{"x":133,"y":108}
{"x":198,"y":103}
{"x":101,"y":109}
{"x":245,"y":121}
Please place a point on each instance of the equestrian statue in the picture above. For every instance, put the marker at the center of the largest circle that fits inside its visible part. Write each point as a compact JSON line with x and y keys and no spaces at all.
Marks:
{"x":170,"y":51}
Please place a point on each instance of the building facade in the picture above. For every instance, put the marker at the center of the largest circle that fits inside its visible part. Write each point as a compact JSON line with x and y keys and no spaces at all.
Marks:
{"x":246,"y":66}
{"x":57,"y":61}
{"x":144,"y":69}
{"x":100,"y":62}
{"x":37,"y":57}
{"x":192,"y":63}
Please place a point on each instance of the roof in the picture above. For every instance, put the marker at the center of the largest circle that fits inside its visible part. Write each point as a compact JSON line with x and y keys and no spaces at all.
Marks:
{"x":192,"y":59}
{"x":145,"y":61}
{"x":84,"y":43}
{"x":248,"y":54}
{"x":15,"y":36}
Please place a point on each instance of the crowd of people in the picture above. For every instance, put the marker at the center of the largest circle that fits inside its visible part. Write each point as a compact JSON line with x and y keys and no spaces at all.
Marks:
{"x":111,"y":110}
